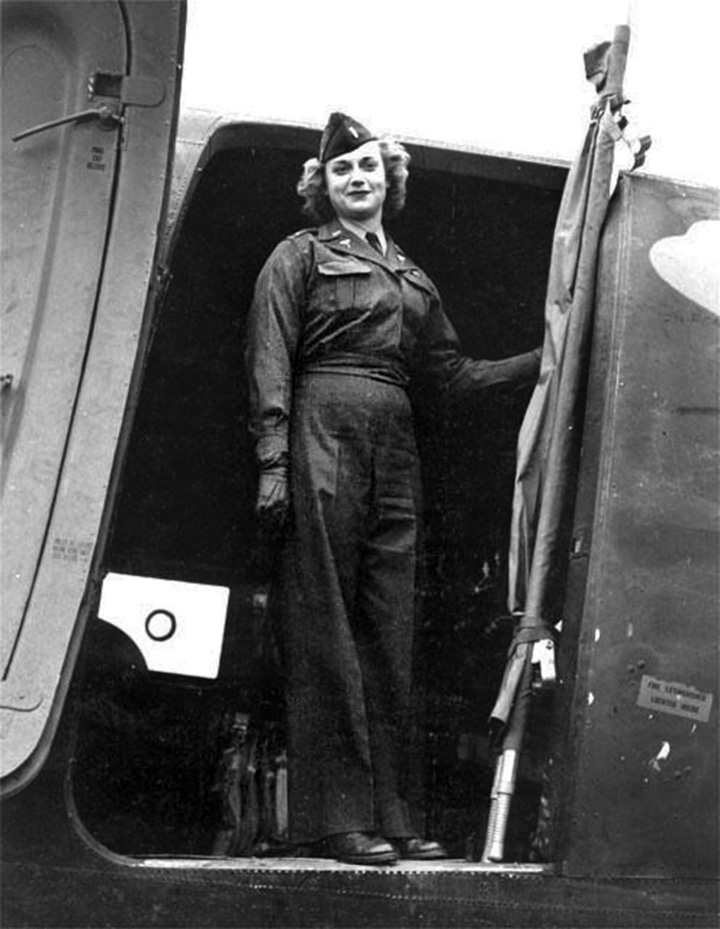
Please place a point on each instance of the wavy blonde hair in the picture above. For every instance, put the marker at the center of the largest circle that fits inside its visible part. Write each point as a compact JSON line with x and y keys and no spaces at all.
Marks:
{"x":312,"y":185}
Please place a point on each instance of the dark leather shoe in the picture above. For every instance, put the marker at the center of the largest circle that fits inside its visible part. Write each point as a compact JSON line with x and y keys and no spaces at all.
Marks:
{"x":357,"y":848}
{"x":414,"y":848}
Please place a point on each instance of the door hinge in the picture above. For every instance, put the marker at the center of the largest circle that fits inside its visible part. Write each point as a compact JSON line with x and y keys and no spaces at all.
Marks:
{"x":163,"y":277}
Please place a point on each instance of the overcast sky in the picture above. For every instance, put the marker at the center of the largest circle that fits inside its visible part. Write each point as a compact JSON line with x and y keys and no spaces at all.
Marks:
{"x":504,"y":75}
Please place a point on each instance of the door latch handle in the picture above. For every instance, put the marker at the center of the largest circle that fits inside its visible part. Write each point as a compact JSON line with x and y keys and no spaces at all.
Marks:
{"x":108,"y":116}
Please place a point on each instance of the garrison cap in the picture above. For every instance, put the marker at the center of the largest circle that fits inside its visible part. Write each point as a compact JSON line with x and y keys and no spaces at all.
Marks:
{"x":342,"y":134}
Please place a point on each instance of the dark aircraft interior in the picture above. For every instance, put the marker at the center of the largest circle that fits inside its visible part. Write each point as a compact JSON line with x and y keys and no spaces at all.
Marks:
{"x":167,"y":765}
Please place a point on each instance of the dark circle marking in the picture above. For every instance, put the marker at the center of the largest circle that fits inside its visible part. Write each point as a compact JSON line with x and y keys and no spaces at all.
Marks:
{"x":165,"y":636}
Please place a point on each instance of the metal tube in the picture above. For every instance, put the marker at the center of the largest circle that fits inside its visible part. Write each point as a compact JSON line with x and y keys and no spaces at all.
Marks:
{"x":506,"y":771}
{"x":502,"y":791}
{"x":492,"y":816}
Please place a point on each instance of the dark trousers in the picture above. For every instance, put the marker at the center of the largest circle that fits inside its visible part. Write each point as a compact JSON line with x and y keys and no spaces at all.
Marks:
{"x":347,"y":588}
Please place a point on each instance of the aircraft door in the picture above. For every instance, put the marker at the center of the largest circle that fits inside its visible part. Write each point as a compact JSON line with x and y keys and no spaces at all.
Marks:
{"x":57,"y":187}
{"x":81,"y":98}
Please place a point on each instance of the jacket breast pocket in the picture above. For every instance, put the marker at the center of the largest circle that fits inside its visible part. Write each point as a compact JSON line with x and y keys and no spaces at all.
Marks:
{"x":343,"y":285}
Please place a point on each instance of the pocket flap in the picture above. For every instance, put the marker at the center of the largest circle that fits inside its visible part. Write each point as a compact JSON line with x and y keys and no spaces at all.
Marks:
{"x":336,"y":267}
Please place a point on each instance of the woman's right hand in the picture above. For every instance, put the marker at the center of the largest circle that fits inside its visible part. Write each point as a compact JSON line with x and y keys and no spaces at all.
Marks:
{"x":273,"y":500}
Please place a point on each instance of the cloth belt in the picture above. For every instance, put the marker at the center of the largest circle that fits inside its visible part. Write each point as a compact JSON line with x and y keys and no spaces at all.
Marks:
{"x":375,"y":367}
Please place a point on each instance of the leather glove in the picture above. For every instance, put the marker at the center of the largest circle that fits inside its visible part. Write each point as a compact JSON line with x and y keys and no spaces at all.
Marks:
{"x":273,"y":501}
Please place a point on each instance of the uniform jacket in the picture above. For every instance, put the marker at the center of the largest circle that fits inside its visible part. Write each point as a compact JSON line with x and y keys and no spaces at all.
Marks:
{"x":325,"y":299}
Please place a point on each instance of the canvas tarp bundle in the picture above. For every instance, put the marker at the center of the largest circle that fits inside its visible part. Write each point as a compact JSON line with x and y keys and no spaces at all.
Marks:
{"x":549,"y":440}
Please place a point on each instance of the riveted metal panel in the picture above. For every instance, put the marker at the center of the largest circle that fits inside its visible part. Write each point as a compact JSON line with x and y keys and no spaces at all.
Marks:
{"x":645,"y":744}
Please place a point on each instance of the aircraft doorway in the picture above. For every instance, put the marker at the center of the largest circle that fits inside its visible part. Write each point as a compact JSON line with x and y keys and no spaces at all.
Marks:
{"x":154,"y":749}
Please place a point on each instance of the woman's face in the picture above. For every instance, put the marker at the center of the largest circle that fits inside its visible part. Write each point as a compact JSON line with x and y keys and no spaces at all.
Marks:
{"x":356,"y":183}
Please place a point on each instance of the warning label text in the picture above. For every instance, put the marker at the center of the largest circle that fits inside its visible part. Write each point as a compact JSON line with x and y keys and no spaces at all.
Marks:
{"x":678,"y":699}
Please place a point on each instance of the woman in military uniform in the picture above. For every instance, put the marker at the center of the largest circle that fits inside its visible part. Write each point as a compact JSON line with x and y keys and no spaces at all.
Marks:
{"x":340,"y":320}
